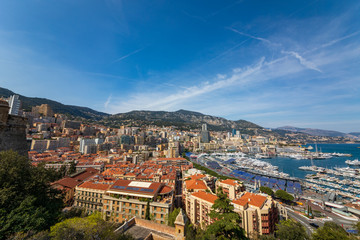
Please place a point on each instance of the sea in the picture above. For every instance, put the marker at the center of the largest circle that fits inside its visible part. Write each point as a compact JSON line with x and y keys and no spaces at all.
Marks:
{"x":291,"y":166}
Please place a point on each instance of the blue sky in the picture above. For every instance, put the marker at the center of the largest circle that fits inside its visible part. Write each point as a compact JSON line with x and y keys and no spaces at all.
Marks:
{"x":274,"y":63}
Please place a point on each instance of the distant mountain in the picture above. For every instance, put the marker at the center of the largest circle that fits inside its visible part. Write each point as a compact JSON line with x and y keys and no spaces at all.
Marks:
{"x":356,"y":134}
{"x":315,"y":132}
{"x":29,"y":102}
{"x":183,"y":118}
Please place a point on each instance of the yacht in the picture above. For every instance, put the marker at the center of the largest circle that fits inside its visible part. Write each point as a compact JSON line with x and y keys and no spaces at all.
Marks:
{"x":355,"y":162}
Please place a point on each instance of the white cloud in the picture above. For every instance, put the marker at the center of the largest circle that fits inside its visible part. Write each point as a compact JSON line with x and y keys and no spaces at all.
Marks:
{"x":108,"y":100}
{"x":303,"y":61}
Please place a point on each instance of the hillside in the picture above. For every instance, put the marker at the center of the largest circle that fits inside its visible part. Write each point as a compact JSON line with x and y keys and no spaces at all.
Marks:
{"x":29,"y":102}
{"x":315,"y":132}
{"x":182,"y":119}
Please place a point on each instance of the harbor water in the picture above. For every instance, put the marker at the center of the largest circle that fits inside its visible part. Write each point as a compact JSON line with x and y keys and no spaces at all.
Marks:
{"x":291,"y":166}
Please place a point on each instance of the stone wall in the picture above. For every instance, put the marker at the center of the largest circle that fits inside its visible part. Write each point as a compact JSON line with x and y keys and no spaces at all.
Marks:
{"x":155,"y":226}
{"x":13,"y":135}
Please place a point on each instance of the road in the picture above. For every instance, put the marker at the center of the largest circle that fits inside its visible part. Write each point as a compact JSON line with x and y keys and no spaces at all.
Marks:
{"x":303,"y":220}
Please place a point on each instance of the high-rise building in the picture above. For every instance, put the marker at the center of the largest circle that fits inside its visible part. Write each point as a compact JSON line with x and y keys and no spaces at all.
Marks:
{"x":205,"y":135}
{"x":89,"y":142}
{"x":14,"y":103}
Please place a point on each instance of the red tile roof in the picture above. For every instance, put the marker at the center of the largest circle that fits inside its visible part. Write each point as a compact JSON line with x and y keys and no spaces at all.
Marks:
{"x":230,"y":182}
{"x":166,"y":189}
{"x":67,"y":182}
{"x":92,"y":185}
{"x":205,"y":196}
{"x":252,"y":199}
{"x":195,"y":184}
{"x":197,"y":176}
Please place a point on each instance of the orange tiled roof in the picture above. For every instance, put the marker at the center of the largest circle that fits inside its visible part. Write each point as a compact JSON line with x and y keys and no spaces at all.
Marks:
{"x":67,"y":182}
{"x":205,"y":196}
{"x":165,"y":189}
{"x":197,"y":176}
{"x":230,"y":182}
{"x":251,"y":198}
{"x":92,"y":185}
{"x":195,"y":184}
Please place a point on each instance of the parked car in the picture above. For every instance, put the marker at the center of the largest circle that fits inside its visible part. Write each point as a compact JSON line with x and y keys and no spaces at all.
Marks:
{"x":314,"y":225}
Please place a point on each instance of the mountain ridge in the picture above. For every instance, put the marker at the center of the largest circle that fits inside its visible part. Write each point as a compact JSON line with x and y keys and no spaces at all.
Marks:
{"x":183,"y":117}
{"x":57,"y":107}
{"x":319,"y":132}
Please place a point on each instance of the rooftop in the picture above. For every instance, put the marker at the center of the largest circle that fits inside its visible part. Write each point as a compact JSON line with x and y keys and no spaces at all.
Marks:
{"x":147,"y":188}
{"x":252,"y":199}
{"x":205,"y":196}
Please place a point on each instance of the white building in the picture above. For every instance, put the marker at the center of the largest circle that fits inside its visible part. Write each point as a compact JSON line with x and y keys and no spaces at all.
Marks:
{"x":14,"y":103}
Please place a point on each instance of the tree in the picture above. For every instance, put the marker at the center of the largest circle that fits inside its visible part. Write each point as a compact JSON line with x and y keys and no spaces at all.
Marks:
{"x":72,"y":168}
{"x":172,"y":217}
{"x":27,"y":202}
{"x":266,"y":190}
{"x":291,"y":230}
{"x":284,"y":195}
{"x":330,"y":231}
{"x":147,"y":213}
{"x":226,"y":223}
{"x":357,"y":227}
{"x":91,"y":227}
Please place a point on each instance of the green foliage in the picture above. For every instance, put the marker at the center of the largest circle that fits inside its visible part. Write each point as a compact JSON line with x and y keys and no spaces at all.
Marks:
{"x":73,"y":212}
{"x":284,"y":195}
{"x":291,"y":230}
{"x":147,"y":213}
{"x":226,"y":223}
{"x":190,"y":231}
{"x":27,"y":203}
{"x":267,"y":237}
{"x":330,"y":231}
{"x":72,"y":168}
{"x":172,"y":217}
{"x":266,"y":190}
{"x":357,"y":227}
{"x":91,"y":227}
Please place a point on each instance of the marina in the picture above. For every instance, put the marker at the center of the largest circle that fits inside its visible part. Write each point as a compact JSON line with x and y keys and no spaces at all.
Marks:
{"x":333,"y":174}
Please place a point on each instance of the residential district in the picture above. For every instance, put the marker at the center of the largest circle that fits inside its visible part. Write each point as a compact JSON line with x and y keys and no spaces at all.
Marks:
{"x":137,"y":175}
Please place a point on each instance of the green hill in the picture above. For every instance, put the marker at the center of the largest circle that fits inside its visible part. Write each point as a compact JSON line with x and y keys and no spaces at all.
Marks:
{"x":29,"y":102}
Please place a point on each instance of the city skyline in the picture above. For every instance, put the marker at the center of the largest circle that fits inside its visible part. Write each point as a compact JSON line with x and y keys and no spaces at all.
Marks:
{"x":273,"y":64}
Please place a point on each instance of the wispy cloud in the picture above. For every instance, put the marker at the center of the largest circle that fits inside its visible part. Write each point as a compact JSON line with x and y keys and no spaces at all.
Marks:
{"x":250,"y":36}
{"x":338,"y":40}
{"x":303,"y":61}
{"x":128,"y":55}
{"x":108,"y":100}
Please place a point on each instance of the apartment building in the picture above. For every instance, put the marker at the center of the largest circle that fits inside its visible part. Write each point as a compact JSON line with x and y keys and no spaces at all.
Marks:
{"x":89,"y":195}
{"x":259,"y":214}
{"x":230,"y":187}
{"x":126,"y":199}
{"x":198,"y":207}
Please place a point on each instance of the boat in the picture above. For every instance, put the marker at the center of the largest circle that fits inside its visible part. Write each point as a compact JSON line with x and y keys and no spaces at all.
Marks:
{"x":355,"y":162}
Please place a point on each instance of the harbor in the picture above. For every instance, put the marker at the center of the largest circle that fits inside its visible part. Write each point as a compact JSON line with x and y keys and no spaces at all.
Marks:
{"x":338,"y":173}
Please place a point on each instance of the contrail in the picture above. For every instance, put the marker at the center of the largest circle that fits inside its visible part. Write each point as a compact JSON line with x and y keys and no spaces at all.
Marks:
{"x":128,"y":55}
